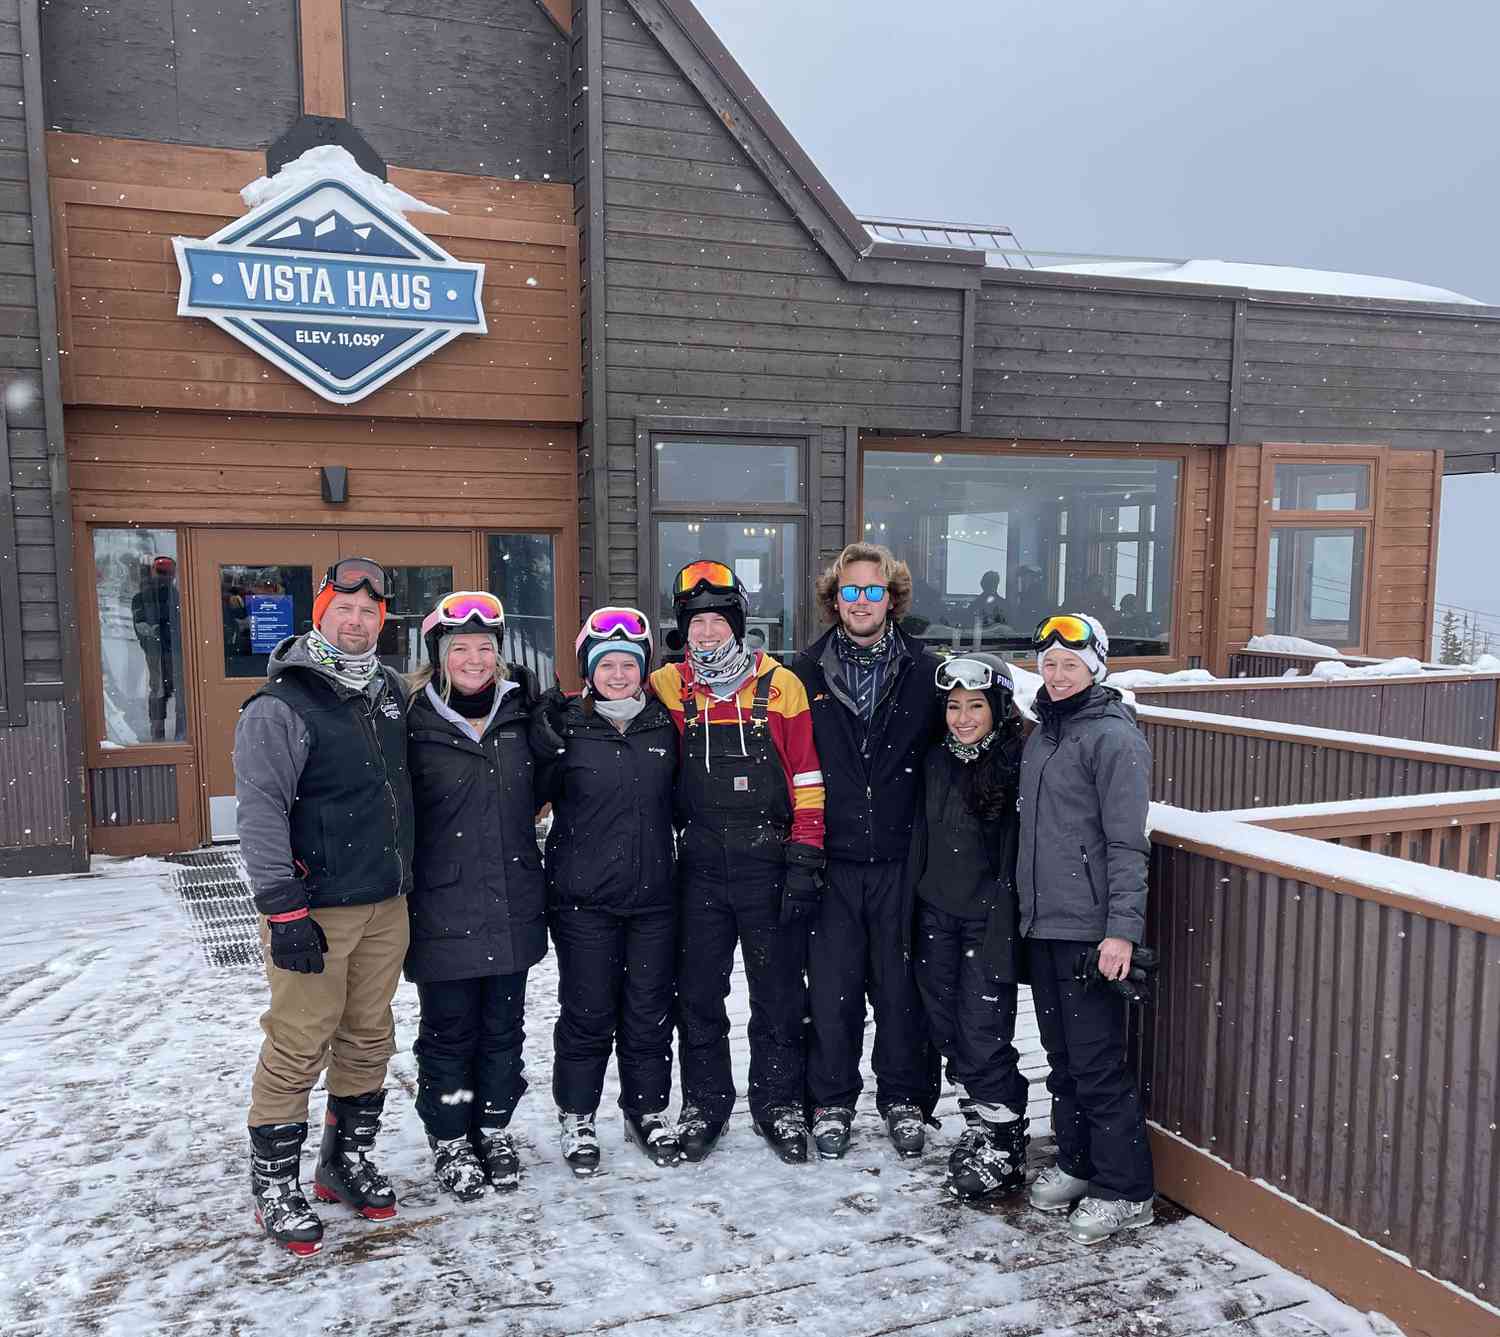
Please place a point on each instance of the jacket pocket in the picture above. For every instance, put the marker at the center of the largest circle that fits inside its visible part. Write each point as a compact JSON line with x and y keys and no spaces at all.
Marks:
{"x":1088,"y":872}
{"x":436,"y":911}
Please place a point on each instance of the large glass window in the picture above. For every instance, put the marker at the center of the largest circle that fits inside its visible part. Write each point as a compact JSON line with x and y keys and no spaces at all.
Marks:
{"x":140,"y":636}
{"x":1315,"y":584}
{"x":764,"y":557}
{"x":997,"y":542}
{"x":520,"y":572}
{"x":727,"y":471}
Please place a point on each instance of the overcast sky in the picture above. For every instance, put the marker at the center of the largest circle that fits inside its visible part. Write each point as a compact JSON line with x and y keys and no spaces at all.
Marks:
{"x":1355,"y":135}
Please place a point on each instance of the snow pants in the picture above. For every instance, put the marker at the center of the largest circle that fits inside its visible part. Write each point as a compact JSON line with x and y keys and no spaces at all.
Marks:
{"x":722,"y":902}
{"x":856,"y":949}
{"x":468,"y":1048}
{"x":1096,"y":1113}
{"x":972,"y":1016}
{"x":616,"y":978}
{"x":340,"y":1019}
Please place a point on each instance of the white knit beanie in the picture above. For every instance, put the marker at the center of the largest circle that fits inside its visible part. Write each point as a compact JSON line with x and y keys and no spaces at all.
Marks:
{"x":1095,"y":656}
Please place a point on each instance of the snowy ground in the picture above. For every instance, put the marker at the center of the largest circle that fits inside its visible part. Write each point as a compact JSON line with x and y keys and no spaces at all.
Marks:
{"x":126,"y":1057}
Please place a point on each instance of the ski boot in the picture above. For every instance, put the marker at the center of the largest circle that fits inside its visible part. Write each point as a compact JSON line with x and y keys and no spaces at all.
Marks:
{"x":908,"y":1129}
{"x":830,"y":1130}
{"x":697,"y":1136}
{"x":1094,"y":1220}
{"x":785,"y":1131}
{"x":457,"y":1168}
{"x":345,"y":1173}
{"x":580,"y":1143}
{"x":1055,"y":1190}
{"x":280,"y":1209}
{"x":497,"y":1153}
{"x":989,"y":1159}
{"x":654,"y":1135}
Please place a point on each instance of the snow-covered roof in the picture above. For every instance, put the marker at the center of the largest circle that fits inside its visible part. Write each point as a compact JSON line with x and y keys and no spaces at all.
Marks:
{"x":1269,"y":278}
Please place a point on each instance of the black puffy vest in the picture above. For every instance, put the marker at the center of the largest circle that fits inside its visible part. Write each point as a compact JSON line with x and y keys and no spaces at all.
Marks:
{"x":352,"y":827}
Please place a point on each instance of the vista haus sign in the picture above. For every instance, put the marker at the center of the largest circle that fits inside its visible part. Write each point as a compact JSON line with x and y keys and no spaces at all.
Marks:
{"x":324,"y":280}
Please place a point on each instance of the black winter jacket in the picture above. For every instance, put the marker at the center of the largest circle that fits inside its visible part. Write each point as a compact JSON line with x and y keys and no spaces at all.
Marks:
{"x":611,"y":795}
{"x":478,"y":903}
{"x":872,"y":781}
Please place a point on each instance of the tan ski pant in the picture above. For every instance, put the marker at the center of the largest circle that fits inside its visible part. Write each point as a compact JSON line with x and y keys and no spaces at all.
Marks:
{"x":340,"y":1019}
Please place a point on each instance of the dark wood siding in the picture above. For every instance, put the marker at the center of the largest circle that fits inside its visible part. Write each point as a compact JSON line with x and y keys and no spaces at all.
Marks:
{"x":1075,"y":365}
{"x":475,"y":86}
{"x":223,"y":74}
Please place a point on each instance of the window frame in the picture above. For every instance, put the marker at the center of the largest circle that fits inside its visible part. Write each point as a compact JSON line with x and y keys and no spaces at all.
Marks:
{"x":1178,"y":656}
{"x":1377,"y":457}
{"x":12,"y":648}
{"x":745,"y":431}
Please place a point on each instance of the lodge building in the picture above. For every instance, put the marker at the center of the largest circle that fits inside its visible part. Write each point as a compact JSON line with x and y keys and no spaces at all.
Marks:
{"x":690,"y":345}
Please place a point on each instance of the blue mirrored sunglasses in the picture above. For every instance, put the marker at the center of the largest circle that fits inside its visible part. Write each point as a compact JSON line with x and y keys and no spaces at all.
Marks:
{"x":850,"y":593}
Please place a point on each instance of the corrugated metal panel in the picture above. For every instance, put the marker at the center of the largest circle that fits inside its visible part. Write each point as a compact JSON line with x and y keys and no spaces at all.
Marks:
{"x":34,"y":793}
{"x":133,"y":795}
{"x":1346,"y":1053}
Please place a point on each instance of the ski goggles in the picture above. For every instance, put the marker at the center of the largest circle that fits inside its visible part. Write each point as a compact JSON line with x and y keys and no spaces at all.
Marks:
{"x":873,"y":593}
{"x":713,"y":574}
{"x":973,"y":674}
{"x":464,"y":606}
{"x":626,"y":624}
{"x":355,"y":573}
{"x":1063,"y":629}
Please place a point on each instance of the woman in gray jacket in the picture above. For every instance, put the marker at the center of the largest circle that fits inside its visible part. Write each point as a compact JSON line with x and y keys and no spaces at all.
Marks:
{"x":1081,"y":877}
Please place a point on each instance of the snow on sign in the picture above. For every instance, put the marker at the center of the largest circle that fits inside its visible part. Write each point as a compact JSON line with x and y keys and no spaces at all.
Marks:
{"x":326,"y":279}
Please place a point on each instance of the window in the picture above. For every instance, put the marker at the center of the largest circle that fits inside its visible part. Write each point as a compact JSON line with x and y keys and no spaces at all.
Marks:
{"x":520,"y":572}
{"x":740,"y":499}
{"x":1315,"y":584}
{"x":1320,"y":487}
{"x":997,"y":542}
{"x":140,"y":636}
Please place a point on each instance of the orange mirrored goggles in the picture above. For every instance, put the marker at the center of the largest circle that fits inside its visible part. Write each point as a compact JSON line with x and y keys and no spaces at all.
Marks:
{"x":713,"y":574}
{"x":1063,"y":629}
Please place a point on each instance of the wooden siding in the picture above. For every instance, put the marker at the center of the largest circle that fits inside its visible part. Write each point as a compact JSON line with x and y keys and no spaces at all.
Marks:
{"x":189,"y":468}
{"x":115,"y":214}
{"x":172,"y":70}
{"x":1405,"y":554}
{"x":1066,"y":364}
{"x":721,"y":303}
{"x":477,"y":86}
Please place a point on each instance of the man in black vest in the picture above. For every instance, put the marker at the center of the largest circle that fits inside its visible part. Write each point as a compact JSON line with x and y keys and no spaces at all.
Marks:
{"x":325,"y":825}
{"x":875,"y":710}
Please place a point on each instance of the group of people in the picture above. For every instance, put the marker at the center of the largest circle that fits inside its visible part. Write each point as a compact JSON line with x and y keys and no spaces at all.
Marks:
{"x":866,"y":822}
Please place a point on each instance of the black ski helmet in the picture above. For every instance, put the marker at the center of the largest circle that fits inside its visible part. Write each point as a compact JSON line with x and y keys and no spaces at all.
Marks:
{"x":707,"y":587}
{"x":459,"y":613}
{"x":591,"y":636}
{"x":1002,"y":690}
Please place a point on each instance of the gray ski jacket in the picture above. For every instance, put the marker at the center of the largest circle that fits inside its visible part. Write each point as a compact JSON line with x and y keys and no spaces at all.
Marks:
{"x":1085,"y":787}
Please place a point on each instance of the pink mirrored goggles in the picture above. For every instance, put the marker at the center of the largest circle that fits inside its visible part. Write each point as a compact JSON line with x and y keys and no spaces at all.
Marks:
{"x":462,"y":606}
{"x":629,"y":624}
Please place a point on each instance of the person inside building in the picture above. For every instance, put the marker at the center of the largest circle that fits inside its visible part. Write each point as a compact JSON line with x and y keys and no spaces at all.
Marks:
{"x":750,"y":812}
{"x":607,"y":762}
{"x":326,"y":831}
{"x":156,"y":612}
{"x":874,"y":715}
{"x":1081,"y":878}
{"x":987,"y":607}
{"x":962,"y":870}
{"x":478,"y":900}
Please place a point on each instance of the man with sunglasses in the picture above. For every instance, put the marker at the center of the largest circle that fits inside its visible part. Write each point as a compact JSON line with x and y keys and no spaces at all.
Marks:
{"x":874,"y":714}
{"x":326,"y":832}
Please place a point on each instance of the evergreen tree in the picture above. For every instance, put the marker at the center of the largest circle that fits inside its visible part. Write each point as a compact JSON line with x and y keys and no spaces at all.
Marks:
{"x":1450,"y":645}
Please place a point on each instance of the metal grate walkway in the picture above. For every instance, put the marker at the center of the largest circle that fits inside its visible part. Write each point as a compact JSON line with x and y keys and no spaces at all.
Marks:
{"x":215,"y":891}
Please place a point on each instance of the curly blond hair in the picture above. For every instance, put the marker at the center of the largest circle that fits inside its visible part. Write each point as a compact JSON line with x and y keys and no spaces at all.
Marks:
{"x":895,"y":575}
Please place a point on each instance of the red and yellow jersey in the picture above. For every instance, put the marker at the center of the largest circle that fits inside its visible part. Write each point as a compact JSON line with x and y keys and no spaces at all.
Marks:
{"x":789,"y":720}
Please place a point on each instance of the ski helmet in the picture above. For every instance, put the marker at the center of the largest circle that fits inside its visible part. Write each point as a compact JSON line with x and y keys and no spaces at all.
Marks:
{"x":980,"y":671}
{"x":611,"y":629}
{"x":462,"y":611}
{"x":707,"y":587}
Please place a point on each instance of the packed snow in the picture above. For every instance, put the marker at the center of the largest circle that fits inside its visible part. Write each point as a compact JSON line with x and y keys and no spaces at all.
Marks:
{"x":1341,"y":807}
{"x":1291,"y":645}
{"x":123,"y":1168}
{"x":1333,"y":670}
{"x":1129,"y":679}
{"x":1266,"y":278}
{"x":330,"y":162}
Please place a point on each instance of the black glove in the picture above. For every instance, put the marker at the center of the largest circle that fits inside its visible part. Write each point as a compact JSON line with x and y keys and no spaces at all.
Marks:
{"x":1139,"y":984}
{"x":544,"y":731}
{"x":802,"y":892}
{"x":298,"y":944}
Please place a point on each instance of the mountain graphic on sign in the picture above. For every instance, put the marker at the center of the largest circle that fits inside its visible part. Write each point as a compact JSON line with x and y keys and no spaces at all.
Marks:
{"x":333,"y":232}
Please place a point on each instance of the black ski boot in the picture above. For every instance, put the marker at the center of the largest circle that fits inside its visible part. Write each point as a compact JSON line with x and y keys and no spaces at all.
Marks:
{"x":457,"y":1168}
{"x":580,"y":1143}
{"x":497,"y":1152}
{"x":830,"y":1130}
{"x":785,"y":1130}
{"x":345,"y":1172}
{"x":989,"y":1159}
{"x":280,"y":1209}
{"x":654,"y":1135}
{"x":908,"y":1129}
{"x":697,"y":1136}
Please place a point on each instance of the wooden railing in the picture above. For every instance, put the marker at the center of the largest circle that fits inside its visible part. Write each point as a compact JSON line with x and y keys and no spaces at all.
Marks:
{"x":1458,"y":832}
{"x":1454,"y":709}
{"x":1215,"y":763}
{"x":1321,"y":1065}
{"x":1246,"y":663}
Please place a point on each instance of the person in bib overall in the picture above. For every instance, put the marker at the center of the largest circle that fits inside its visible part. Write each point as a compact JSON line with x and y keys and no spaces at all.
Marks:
{"x":607,"y":762}
{"x":750,"y":816}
